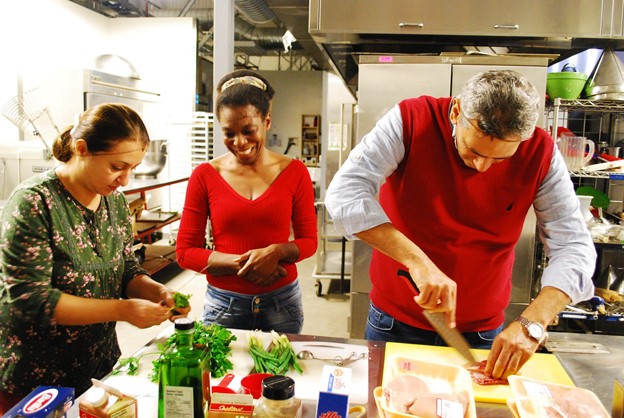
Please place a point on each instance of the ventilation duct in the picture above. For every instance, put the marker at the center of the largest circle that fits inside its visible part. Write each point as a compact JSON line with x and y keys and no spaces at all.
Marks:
{"x":256,"y":11}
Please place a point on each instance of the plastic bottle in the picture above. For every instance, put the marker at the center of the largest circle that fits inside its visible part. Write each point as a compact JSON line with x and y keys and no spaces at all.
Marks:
{"x":184,"y":381}
{"x":278,"y":399}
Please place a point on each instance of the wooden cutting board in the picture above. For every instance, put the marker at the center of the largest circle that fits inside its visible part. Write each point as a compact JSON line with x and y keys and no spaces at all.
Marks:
{"x":545,"y":367}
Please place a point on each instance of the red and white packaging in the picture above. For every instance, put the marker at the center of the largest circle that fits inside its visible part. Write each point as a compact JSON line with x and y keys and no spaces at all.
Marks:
{"x":103,"y":401}
{"x":231,"y":405}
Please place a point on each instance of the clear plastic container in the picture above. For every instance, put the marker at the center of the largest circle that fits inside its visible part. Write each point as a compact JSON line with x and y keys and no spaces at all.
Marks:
{"x":278,"y":399}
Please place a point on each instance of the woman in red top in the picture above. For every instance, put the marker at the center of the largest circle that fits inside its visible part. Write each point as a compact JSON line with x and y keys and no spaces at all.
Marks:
{"x":253,"y":198}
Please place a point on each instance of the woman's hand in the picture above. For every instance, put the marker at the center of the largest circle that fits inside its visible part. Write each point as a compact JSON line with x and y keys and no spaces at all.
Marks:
{"x":167,"y":300}
{"x":261,"y":266}
{"x":144,"y":314}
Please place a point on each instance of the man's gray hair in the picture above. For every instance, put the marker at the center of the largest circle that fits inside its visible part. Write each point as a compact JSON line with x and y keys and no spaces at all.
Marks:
{"x":503,"y":102}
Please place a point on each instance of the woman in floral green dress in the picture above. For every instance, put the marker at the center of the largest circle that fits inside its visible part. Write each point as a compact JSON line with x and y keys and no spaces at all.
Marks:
{"x":68,"y":272}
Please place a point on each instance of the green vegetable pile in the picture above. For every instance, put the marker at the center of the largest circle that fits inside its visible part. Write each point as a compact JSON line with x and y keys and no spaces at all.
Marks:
{"x":216,"y":337}
{"x":278,"y":359}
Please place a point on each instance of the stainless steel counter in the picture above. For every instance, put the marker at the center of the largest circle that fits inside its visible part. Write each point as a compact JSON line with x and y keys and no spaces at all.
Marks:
{"x":595,"y":372}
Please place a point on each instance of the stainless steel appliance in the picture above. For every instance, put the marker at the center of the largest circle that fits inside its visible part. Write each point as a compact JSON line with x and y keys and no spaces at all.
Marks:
{"x":383,"y":81}
{"x":101,"y":87}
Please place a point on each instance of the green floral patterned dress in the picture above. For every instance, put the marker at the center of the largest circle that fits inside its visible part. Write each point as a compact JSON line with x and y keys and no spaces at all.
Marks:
{"x":51,"y":244}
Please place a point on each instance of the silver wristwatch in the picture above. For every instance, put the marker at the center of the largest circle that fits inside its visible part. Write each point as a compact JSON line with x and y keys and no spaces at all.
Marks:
{"x":535,"y":330}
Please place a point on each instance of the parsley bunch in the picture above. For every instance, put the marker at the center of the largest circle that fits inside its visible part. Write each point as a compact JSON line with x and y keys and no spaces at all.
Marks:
{"x":215,"y":337}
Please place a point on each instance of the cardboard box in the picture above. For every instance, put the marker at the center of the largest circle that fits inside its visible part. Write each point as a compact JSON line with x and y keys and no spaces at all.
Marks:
{"x":231,"y":405}
{"x":334,"y":392}
{"x":103,"y":401}
{"x":44,"y":402}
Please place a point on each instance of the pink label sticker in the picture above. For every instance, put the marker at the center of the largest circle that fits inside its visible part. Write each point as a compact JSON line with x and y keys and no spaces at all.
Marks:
{"x":386,"y":58}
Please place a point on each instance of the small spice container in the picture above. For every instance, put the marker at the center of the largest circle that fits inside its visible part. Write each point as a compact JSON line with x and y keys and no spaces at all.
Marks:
{"x":278,"y":399}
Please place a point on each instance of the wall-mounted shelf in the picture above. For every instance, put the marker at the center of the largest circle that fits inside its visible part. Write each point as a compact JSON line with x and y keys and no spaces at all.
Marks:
{"x":311,"y":139}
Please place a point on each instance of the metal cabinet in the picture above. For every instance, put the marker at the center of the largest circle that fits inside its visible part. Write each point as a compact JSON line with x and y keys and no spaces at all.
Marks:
{"x":527,"y":18}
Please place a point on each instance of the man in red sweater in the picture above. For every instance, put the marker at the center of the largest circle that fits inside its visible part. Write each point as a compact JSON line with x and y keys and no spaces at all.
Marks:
{"x":459,"y":175}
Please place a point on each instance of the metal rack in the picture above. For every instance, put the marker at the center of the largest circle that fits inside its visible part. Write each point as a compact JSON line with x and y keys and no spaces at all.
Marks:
{"x":331,"y":263}
{"x":200,"y":132}
{"x":27,"y":113}
{"x":597,"y":120}
{"x":607,"y":111}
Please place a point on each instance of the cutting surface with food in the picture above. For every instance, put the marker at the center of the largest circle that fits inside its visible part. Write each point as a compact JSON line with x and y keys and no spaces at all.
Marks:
{"x":541,"y":366}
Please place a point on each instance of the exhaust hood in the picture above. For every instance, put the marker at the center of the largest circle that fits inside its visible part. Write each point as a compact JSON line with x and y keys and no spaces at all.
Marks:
{"x":560,"y":29}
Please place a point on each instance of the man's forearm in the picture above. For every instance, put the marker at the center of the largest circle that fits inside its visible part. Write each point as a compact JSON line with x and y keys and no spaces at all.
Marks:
{"x":546,"y":305}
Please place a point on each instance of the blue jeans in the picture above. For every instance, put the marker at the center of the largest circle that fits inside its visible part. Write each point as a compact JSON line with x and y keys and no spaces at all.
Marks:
{"x":382,"y":327}
{"x":280,"y":310}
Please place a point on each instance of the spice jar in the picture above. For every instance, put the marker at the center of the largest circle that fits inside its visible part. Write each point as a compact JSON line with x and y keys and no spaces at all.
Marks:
{"x":278,"y":399}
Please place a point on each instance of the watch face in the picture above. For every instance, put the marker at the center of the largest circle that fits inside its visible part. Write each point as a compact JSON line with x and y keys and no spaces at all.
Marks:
{"x":535,"y":330}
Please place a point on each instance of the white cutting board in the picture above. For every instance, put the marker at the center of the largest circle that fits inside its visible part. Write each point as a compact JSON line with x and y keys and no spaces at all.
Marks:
{"x":307,"y":385}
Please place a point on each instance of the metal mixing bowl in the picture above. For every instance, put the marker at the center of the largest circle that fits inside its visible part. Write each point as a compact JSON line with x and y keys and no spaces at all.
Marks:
{"x":154,"y":161}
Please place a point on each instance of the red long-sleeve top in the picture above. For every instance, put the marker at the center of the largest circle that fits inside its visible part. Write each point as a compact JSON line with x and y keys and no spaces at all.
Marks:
{"x":239,"y":224}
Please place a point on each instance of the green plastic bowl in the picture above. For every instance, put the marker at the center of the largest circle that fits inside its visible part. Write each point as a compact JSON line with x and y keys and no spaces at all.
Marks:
{"x":566,"y":85}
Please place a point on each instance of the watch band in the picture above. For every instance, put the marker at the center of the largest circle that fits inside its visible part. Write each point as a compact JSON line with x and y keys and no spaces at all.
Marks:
{"x":527,"y":323}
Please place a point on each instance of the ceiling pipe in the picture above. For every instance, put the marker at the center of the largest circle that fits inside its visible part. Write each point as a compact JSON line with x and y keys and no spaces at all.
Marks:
{"x":268,"y":38}
{"x":256,"y":11}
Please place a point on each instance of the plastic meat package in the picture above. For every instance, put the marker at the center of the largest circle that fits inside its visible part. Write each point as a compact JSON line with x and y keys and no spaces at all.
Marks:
{"x":538,"y":399}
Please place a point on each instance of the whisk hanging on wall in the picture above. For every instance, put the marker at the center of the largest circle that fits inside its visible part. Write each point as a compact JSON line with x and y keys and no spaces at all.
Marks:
{"x":25,"y":112}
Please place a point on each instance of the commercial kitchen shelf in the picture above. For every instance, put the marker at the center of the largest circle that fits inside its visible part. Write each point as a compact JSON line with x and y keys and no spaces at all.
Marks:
{"x":588,"y":106}
{"x":157,"y":257}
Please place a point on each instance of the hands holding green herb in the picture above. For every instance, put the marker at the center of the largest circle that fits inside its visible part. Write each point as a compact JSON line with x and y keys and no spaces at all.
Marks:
{"x":178,"y":303}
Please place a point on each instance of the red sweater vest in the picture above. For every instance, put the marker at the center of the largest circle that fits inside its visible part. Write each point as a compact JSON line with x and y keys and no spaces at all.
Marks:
{"x":467,"y":222}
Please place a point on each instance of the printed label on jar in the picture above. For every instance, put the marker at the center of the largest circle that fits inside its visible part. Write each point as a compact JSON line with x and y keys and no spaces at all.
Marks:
{"x":178,"y":402}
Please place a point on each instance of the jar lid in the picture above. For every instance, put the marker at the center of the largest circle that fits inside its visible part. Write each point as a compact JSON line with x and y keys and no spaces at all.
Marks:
{"x":278,"y":388}
{"x":96,"y":396}
{"x":184,"y":324}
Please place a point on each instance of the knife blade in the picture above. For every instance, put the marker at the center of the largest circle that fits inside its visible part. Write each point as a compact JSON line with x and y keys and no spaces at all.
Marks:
{"x":451,"y":336}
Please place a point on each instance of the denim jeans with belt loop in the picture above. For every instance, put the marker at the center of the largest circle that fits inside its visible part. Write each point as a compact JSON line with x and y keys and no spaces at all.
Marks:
{"x":381,"y":326}
{"x":280,"y":310}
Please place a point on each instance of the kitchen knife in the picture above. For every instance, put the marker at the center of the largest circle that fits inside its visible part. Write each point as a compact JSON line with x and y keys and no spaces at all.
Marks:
{"x":451,"y":336}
